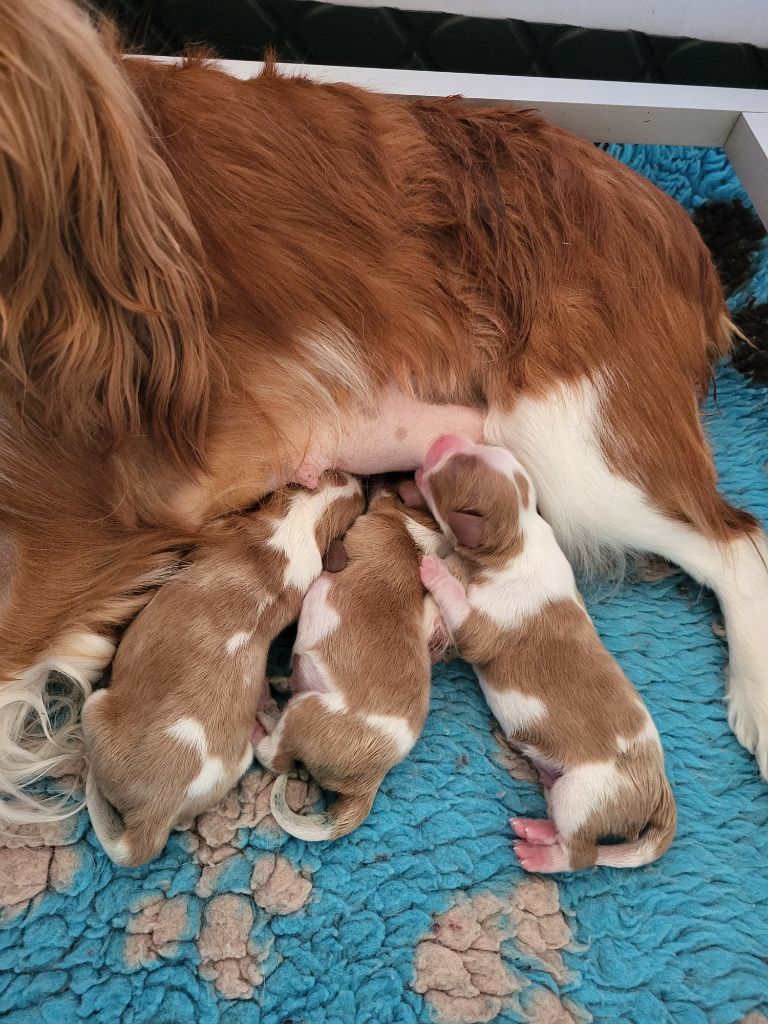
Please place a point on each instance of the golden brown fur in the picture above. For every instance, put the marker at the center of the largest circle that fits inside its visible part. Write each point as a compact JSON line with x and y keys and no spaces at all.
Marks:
{"x":196,"y":272}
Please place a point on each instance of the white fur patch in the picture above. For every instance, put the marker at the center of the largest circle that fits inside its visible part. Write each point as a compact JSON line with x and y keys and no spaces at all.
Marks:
{"x":211,"y":775}
{"x":513,"y":710}
{"x":294,"y":534}
{"x":578,"y":793}
{"x":395,"y":729}
{"x":117,"y":850}
{"x":89,"y":652}
{"x":333,"y":355}
{"x":648,"y":734}
{"x":318,"y":618}
{"x":539,"y":576}
{"x":237,"y":641}
{"x":246,"y":760}
{"x":333,"y":701}
{"x":559,"y":438}
{"x":429,"y":541}
{"x":191,"y":733}
{"x":31,"y":744}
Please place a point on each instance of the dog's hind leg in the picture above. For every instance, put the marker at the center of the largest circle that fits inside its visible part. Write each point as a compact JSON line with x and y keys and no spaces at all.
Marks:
{"x":647,"y":483}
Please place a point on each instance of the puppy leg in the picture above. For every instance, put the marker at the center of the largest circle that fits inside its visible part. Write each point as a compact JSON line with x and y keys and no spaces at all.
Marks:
{"x":449,"y":594}
{"x":269,"y":746}
{"x":608,"y":484}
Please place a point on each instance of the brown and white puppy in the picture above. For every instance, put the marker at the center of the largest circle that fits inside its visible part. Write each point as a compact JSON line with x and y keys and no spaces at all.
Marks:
{"x":172,"y":732}
{"x":361,"y":670}
{"x":554,"y":688}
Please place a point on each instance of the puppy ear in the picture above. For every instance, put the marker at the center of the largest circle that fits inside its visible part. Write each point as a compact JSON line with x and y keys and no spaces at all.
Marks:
{"x":335,"y":558}
{"x":467,"y":528}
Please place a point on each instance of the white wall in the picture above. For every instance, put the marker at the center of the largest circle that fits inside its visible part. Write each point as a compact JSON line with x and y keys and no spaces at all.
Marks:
{"x":733,"y":21}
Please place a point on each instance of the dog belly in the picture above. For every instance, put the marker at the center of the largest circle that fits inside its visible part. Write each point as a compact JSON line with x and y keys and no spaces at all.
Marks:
{"x":393,"y":438}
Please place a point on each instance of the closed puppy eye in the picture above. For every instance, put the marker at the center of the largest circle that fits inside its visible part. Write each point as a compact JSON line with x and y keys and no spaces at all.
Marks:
{"x":470,"y":512}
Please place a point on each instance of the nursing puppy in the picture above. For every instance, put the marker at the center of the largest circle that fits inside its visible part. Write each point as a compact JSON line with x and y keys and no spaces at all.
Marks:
{"x":172,"y":732}
{"x":555,"y":690}
{"x":361,"y":670}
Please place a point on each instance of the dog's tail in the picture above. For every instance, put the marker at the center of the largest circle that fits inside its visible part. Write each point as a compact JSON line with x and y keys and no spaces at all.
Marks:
{"x":346,"y":814}
{"x":104,"y":303}
{"x":654,"y":841}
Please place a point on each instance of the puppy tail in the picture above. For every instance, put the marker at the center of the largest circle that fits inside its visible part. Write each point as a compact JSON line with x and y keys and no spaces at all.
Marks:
{"x":344,"y":816}
{"x":654,"y":841}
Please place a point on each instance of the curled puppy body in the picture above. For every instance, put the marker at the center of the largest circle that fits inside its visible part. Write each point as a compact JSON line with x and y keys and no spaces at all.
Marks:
{"x":554,"y":688}
{"x":361,"y":669}
{"x":172,"y":732}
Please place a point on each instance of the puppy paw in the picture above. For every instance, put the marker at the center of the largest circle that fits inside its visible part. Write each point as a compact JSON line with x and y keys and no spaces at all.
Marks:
{"x":536,"y":832}
{"x":432,"y":571}
{"x":281,"y":684}
{"x":542,"y":859}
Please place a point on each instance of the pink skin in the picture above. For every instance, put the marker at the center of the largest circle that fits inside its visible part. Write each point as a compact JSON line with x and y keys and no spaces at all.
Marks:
{"x":410,"y":494}
{"x":258,"y":732}
{"x":538,"y":848}
{"x":539,"y":832}
{"x":393,"y":439}
{"x":305,"y":678}
{"x":542,"y":858}
{"x":449,"y":594}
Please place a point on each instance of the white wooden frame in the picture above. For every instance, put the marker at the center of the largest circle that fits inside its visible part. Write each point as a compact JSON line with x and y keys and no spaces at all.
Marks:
{"x":736,"y":119}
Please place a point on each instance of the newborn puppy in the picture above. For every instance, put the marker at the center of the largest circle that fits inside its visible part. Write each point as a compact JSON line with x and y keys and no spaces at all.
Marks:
{"x":555,"y":690}
{"x":172,"y":732}
{"x":361,"y":670}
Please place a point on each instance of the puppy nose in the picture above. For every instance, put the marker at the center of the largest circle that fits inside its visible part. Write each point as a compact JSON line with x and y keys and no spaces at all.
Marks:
{"x":447,"y":444}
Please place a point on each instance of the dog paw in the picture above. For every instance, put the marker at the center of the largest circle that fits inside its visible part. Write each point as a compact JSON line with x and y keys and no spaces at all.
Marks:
{"x":542,"y":859}
{"x":748,"y":718}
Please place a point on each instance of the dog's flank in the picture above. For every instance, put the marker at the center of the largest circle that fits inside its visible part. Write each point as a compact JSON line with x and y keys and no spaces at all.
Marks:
{"x":550,"y":682}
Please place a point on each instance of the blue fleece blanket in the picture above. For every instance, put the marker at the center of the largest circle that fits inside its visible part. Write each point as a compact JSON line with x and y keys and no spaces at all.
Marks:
{"x":422,"y":914}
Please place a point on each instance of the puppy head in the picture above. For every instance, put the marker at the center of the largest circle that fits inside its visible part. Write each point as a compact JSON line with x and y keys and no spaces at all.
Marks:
{"x":145,"y":778}
{"x":480,"y":496}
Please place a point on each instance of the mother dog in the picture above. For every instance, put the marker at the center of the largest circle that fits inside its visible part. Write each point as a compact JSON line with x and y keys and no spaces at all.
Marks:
{"x":209,"y":287}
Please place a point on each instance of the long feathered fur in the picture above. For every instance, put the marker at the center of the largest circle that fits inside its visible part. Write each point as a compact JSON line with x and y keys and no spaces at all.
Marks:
{"x":104,"y":303}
